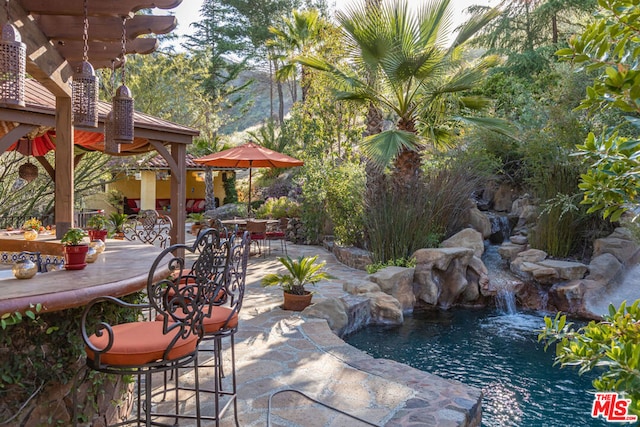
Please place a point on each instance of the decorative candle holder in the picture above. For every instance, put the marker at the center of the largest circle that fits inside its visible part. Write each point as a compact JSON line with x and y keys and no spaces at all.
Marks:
{"x":98,"y":245}
{"x":24,"y":269}
{"x":92,"y":255}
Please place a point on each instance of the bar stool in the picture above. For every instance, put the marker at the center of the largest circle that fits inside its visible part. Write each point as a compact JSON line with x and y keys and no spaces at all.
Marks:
{"x":220,"y":321}
{"x":164,"y":342}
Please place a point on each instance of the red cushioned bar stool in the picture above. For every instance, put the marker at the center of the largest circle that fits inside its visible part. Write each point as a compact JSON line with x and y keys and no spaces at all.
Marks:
{"x":165,"y":342}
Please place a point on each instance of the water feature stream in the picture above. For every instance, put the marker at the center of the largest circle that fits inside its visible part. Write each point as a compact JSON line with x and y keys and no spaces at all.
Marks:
{"x":496,"y":352}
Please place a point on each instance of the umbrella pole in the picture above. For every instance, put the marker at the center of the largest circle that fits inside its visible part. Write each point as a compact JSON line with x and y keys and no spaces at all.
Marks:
{"x":249,"y":204}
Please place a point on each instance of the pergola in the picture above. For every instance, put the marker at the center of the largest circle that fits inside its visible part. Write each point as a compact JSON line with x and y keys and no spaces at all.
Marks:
{"x":53,"y":33}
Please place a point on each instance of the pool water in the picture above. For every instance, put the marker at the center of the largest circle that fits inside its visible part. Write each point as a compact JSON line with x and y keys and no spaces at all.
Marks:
{"x":495,"y":352}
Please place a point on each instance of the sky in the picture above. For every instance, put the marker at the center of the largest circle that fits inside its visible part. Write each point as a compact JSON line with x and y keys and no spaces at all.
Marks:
{"x":188,"y":11}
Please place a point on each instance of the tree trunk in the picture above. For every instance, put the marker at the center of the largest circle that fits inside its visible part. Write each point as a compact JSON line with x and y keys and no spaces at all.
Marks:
{"x":375,"y":176}
{"x":407,"y":170}
{"x":281,"y":102}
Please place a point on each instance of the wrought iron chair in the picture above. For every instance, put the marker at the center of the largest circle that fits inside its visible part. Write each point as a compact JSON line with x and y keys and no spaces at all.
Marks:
{"x":169,"y":340}
{"x":280,"y":233}
{"x":149,"y":226}
{"x":258,"y":232}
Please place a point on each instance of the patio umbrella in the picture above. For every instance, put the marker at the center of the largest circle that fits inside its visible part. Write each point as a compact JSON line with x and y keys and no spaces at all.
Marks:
{"x":247,"y":156}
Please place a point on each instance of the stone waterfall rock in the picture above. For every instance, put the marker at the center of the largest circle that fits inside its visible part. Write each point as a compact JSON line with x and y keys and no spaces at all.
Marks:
{"x":397,"y":282}
{"x":620,"y":244}
{"x":509,"y":250}
{"x":531,"y":264}
{"x":441,"y":275}
{"x":467,"y":238}
{"x":605,"y":268}
{"x":504,"y":197}
{"x":479,"y":221}
{"x":385,"y":309}
{"x":360,"y":287}
{"x":478,"y":273}
{"x":333,"y":310}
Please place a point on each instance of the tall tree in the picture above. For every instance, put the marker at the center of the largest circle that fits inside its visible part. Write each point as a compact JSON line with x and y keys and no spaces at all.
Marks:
{"x":418,"y":79}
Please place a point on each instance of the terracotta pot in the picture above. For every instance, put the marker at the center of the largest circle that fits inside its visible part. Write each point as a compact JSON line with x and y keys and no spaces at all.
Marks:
{"x":296,"y":302}
{"x":97,"y":234}
{"x":74,"y":257}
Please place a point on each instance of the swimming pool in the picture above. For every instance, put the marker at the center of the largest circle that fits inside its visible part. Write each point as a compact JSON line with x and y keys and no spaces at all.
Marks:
{"x":495,"y":352}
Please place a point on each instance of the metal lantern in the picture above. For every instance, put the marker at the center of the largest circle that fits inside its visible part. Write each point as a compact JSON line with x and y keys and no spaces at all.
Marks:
{"x":123,"y":116}
{"x":84,"y":89}
{"x":28,"y":171}
{"x":13,"y":54}
{"x":85,"y":96}
{"x":110,"y":146}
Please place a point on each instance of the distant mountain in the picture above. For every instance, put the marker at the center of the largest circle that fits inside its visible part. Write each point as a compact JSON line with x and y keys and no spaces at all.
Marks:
{"x":257,"y":95}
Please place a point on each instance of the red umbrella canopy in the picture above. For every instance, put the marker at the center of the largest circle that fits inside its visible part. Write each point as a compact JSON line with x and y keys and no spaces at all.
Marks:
{"x":249,"y":155}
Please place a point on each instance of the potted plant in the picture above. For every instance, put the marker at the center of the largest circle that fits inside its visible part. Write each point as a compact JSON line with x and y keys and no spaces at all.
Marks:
{"x":301,"y":271}
{"x":117,"y":221}
{"x":31,"y":228}
{"x":97,"y":225}
{"x":75,"y":249}
{"x":199,"y":221}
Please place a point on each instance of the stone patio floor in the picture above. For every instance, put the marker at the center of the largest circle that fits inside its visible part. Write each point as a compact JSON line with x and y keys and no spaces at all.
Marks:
{"x":279,"y":350}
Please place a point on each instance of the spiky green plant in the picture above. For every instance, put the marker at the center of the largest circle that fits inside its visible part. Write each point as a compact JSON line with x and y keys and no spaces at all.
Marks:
{"x":302,"y":271}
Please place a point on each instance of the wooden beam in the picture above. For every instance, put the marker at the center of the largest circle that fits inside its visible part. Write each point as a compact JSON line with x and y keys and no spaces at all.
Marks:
{"x":64,"y":167}
{"x":27,"y":117}
{"x":13,"y":135}
{"x":166,"y":155}
{"x":44,"y":62}
{"x":47,"y":167}
{"x":102,"y":7}
{"x":104,"y":52}
{"x":104,"y":28}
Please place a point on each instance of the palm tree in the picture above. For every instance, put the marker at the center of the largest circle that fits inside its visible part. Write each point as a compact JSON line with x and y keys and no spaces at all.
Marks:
{"x":294,"y":36}
{"x":400,"y":63}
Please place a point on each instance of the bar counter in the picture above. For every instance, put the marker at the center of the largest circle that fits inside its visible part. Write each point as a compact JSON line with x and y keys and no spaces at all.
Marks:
{"x":120,"y":270}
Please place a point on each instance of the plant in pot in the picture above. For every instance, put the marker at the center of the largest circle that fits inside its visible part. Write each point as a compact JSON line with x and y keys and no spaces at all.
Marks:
{"x":31,"y":228}
{"x":97,"y":225}
{"x":118,"y":220}
{"x":302,"y":271}
{"x":199,"y":221}
{"x":75,"y":249}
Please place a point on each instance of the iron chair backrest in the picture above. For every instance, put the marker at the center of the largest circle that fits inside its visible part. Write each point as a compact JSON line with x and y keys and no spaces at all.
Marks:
{"x":150,"y":227}
{"x":178,"y":300}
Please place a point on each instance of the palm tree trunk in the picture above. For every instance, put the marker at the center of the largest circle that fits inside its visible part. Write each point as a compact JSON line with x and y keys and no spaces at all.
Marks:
{"x":407,"y":168}
{"x":209,"y":201}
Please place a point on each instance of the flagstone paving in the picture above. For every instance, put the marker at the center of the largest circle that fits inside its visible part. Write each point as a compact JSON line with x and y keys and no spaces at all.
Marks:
{"x":280,"y":353}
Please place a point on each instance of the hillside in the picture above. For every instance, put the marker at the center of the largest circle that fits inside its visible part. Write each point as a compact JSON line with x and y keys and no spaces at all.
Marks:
{"x":257,"y":95}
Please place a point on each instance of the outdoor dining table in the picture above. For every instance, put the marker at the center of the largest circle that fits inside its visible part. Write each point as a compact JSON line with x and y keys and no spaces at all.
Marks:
{"x":242,"y":222}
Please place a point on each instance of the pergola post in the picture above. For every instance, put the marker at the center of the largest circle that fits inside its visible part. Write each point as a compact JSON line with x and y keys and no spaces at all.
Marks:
{"x":178,"y":192}
{"x":64,"y":167}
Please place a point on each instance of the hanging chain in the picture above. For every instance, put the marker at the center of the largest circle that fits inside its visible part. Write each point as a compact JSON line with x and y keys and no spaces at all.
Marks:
{"x":6,"y":11}
{"x":124,"y":48}
{"x":85,"y":33}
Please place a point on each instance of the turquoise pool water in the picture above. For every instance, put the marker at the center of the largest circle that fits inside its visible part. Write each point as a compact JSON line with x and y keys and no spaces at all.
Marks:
{"x":495,"y":352}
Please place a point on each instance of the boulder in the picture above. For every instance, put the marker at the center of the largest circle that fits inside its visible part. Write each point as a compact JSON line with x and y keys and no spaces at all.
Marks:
{"x":360,"y":287}
{"x":479,"y":222}
{"x":441,"y":274}
{"x":532,"y":255}
{"x":333,"y":310}
{"x":478,"y":280}
{"x":467,"y":238}
{"x":568,"y":297}
{"x":620,"y":244}
{"x":605,"y":268}
{"x":503,"y":199}
{"x":567,"y":270}
{"x":397,"y":282}
{"x":385,"y":309}
{"x":518,"y":206}
{"x":519,"y":240}
{"x":510,"y":251}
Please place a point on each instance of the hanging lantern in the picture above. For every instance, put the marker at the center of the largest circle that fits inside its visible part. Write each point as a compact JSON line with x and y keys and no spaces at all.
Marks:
{"x":123,"y":116}
{"x":123,"y":101}
{"x":84,"y":96}
{"x":13,"y":54}
{"x":110,"y":146}
{"x":28,"y":171}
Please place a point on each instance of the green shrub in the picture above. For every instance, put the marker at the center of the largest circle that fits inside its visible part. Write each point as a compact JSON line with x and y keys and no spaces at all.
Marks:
{"x":400,"y":262}
{"x":345,"y":204}
{"x":313,"y":199}
{"x":282,"y":207}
